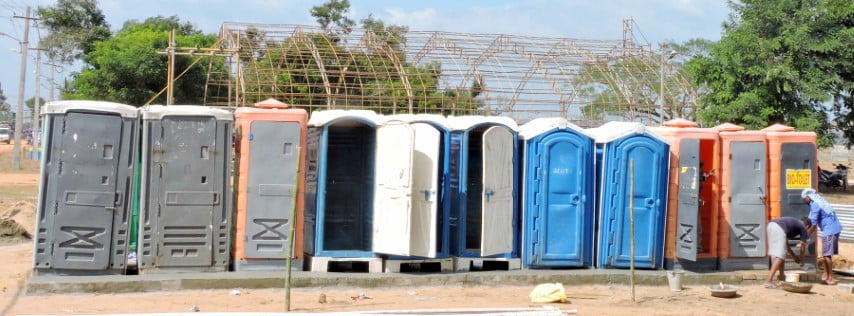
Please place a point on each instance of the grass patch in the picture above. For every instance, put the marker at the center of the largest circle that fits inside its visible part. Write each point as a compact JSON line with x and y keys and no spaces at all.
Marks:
{"x":27,"y":165}
{"x":19,"y":192}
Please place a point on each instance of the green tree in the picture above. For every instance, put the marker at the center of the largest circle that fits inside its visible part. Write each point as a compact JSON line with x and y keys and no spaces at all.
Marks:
{"x":128,"y":67}
{"x":74,"y":26}
{"x":2,"y":98}
{"x":332,"y":16}
{"x":32,"y":102}
{"x":782,"y":61}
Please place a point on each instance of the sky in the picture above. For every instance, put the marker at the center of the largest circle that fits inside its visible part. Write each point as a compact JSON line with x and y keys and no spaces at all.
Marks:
{"x":657,"y":21}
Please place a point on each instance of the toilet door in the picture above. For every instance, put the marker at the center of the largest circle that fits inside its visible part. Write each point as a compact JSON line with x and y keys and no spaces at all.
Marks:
{"x":497,"y":199}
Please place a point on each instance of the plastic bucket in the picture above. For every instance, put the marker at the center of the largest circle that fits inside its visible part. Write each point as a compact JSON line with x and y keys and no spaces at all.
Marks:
{"x":793,"y":277}
{"x":674,"y":280}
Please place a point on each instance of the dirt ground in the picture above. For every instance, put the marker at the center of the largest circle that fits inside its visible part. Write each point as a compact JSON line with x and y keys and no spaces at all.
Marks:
{"x":18,"y":199}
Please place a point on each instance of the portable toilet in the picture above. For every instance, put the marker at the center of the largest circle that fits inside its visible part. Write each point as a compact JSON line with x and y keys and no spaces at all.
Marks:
{"x":558,"y":194}
{"x":85,"y":188}
{"x":340,"y":184}
{"x":791,"y":168}
{"x":271,"y":179}
{"x":426,"y":143}
{"x":691,"y":239}
{"x":792,"y":165}
{"x":484,"y":174}
{"x":186,"y":196}
{"x":622,"y":142}
{"x":743,"y":214}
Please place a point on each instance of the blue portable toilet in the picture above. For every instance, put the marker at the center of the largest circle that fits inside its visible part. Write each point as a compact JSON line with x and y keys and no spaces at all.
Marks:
{"x":558,"y":194}
{"x":483,"y":183}
{"x":617,"y":144}
{"x":340,"y":183}
{"x":416,"y":150}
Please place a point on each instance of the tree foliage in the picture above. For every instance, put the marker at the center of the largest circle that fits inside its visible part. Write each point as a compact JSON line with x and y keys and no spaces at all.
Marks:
{"x":332,"y":16}
{"x":32,"y":102}
{"x":375,"y":76}
{"x":2,"y":97}
{"x":128,"y":67}
{"x":782,"y":61}
{"x":630,"y":88}
{"x":74,"y":27}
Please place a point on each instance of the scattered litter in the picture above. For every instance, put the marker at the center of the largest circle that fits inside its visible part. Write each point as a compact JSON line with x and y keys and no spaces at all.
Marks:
{"x":548,"y":293}
{"x":412,"y":293}
{"x":235,"y":292}
{"x":361,"y":296}
{"x":322,"y":298}
{"x":195,"y":309}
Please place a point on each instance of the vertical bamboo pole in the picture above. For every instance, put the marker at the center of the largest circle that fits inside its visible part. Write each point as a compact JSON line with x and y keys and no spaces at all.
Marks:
{"x":291,"y":234}
{"x":632,"y":224}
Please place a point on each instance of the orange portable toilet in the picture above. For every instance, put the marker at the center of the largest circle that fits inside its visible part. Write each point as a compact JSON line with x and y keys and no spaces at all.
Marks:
{"x":744,"y":193}
{"x":792,"y":166}
{"x":270,"y":182}
{"x":691,"y":240}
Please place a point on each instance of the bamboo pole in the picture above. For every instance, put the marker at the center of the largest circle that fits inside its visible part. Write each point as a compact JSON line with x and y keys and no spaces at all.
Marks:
{"x":291,"y":234}
{"x":632,"y":224}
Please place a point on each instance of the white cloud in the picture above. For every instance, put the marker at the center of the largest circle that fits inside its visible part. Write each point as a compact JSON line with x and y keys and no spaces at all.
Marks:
{"x":418,"y":17}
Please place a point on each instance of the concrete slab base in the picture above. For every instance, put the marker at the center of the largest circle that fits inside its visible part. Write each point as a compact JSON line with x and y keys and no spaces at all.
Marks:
{"x":702,"y":264}
{"x":394,"y":266}
{"x":735,"y":264}
{"x":473,"y":264}
{"x":325,"y":264}
{"x":41,"y":285}
{"x":267,"y":265}
{"x":845,"y":288}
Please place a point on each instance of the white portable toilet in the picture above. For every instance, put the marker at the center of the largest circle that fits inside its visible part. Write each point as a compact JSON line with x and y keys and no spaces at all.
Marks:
{"x":484,"y":176}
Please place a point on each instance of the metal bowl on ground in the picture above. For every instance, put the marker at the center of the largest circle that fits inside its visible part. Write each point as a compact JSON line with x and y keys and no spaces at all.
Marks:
{"x":797,"y":287}
{"x":723,"y":291}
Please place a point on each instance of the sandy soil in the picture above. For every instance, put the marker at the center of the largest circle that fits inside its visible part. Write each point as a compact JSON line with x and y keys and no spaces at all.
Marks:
{"x":590,"y":300}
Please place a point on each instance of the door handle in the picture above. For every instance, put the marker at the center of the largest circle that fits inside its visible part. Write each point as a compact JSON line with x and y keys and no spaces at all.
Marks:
{"x":488,"y":194}
{"x":426,"y":195}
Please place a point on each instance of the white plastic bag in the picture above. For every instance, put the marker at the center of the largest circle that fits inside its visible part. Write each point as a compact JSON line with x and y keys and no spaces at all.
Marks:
{"x":548,"y":293}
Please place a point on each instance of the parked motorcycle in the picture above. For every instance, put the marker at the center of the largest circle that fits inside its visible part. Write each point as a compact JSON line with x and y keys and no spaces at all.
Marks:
{"x":833,"y":179}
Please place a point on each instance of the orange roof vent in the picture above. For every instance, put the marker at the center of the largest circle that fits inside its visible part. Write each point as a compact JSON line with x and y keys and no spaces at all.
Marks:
{"x":681,"y":123}
{"x":271,"y":104}
{"x":729,"y":127}
{"x":778,"y":128}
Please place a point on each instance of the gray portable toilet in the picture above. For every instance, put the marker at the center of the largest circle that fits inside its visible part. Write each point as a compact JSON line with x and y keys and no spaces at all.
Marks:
{"x":185,"y":198}
{"x":85,"y":188}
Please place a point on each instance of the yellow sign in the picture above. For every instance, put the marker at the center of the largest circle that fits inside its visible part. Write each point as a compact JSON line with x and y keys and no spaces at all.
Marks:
{"x":798,"y":179}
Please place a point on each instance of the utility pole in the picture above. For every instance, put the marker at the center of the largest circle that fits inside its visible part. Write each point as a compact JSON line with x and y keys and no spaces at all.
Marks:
{"x":19,"y":113}
{"x":171,"y":71}
{"x":37,"y":101}
{"x":661,"y":89}
{"x":52,"y":79}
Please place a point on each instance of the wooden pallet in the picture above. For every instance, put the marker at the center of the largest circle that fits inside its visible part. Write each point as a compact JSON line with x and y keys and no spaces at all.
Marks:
{"x":329,"y":264}
{"x":419,"y":265}
{"x":476,"y":264}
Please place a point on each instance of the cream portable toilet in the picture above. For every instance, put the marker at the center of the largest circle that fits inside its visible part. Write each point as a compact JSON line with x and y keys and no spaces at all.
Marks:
{"x":423,"y":244}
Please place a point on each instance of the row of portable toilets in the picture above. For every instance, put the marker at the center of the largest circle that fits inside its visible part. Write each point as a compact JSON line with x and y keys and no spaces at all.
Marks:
{"x":152,"y":188}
